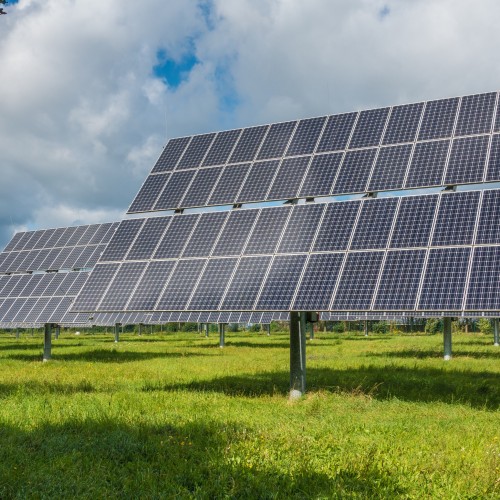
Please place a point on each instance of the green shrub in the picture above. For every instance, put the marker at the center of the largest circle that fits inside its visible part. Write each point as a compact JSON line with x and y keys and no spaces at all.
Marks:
{"x":432,"y":326}
{"x":485,"y":326}
{"x":380,"y":327}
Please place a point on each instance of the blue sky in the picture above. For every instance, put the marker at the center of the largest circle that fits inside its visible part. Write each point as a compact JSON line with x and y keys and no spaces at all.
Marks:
{"x":94,"y":89}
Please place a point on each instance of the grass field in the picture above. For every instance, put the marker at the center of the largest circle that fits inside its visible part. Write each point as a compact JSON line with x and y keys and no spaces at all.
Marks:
{"x":173,"y":415}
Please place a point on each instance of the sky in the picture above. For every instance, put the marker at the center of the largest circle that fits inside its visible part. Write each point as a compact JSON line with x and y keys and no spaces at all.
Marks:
{"x":91,"y":90}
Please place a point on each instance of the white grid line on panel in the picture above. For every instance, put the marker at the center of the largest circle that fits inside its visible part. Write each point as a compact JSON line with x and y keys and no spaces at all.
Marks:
{"x":452,"y":140}
{"x":222,"y":170}
{"x":492,"y":129}
{"x":167,"y":281}
{"x":195,"y":287}
{"x":414,"y":145}
{"x":138,"y":281}
{"x":134,"y":240}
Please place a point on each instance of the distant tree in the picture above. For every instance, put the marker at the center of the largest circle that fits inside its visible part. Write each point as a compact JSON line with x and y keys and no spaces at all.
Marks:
{"x":380,"y":327}
{"x":432,"y":326}
{"x":484,"y":326}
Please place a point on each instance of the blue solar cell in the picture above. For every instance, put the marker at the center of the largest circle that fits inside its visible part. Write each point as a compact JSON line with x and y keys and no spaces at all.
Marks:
{"x":148,"y":238}
{"x":200,"y":189}
{"x":488,"y":230}
{"x":23,"y":309}
{"x":27,"y":240}
{"x":122,"y":240}
{"x":414,"y":221}
{"x":80,"y":280}
{"x":54,"y":238}
{"x":306,"y":136}
{"x":403,"y":123}
{"x":221,"y":148}
{"x":229,"y":184}
{"x":439,"y":119}
{"x":99,"y":235}
{"x":246,"y":283}
{"x":19,"y":286}
{"x":483,"y":291}
{"x":149,"y":193}
{"x":196,"y":151}
{"x":67,"y":282}
{"x":41,"y":286}
{"x":150,"y":285}
{"x":205,"y":234}
{"x":354,"y":172}
{"x":321,"y":175}
{"x":212,"y":285}
{"x":248,"y":144}
{"x":456,"y":218}
{"x":301,"y":228}
{"x":13,"y":242}
{"x":267,"y":230}
{"x":493,"y":171}
{"x":75,"y":237}
{"x":369,"y":128}
{"x":318,"y":282}
{"x":174,"y":190}
{"x":235,"y":233}
{"x":400,"y":280}
{"x":476,"y":114}
{"x":445,"y":278}
{"x":176,"y":236}
{"x":358,"y":281}
{"x":54,"y":284}
{"x":279,"y":287}
{"x":390,"y":168}
{"x":467,"y":160}
{"x":60,"y":258}
{"x":170,"y":155}
{"x":336,"y":226}
{"x":289,"y":178}
{"x":180,"y":285}
{"x":428,"y":163}
{"x":5,"y":307}
{"x":257,"y":183}
{"x":276,"y":140}
{"x":374,"y":223}
{"x":337,"y":132}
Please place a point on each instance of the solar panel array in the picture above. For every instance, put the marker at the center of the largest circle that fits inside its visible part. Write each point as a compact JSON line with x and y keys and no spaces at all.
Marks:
{"x":431,"y":253}
{"x":444,"y":142}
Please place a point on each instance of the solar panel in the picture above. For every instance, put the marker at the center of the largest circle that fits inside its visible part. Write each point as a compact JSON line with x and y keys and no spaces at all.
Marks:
{"x":175,"y":237}
{"x":267,"y":230}
{"x":390,"y":168}
{"x":149,"y":193}
{"x":439,"y":119}
{"x":205,"y":234}
{"x":369,"y":128}
{"x":221,"y":148}
{"x":306,"y":136}
{"x":489,"y":222}
{"x":355,"y":171}
{"x":229,"y":184}
{"x":95,"y":287}
{"x":476,"y":114}
{"x":289,"y":177}
{"x":235,"y":233}
{"x":467,"y":160}
{"x":148,"y":238}
{"x":428,"y":163}
{"x":248,"y":144}
{"x":276,"y":140}
{"x":195,"y":152}
{"x":122,"y":239}
{"x":321,"y":175}
{"x":337,"y":132}
{"x":403,"y":123}
{"x":174,"y":190}
{"x":483,"y":291}
{"x":171,"y":154}
{"x":256,"y":185}
{"x":493,"y":170}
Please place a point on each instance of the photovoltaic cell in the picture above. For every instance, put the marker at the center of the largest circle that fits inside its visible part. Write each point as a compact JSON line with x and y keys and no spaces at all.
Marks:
{"x":195,"y":152}
{"x":358,"y":281}
{"x":56,"y":235}
{"x":13,"y":242}
{"x":149,"y":193}
{"x":374,"y":223}
{"x":174,"y":191}
{"x":445,"y":278}
{"x":61,"y":258}
{"x":489,"y":220}
{"x":229,"y":184}
{"x":289,"y":178}
{"x":400,"y":280}
{"x":318,"y":283}
{"x":170,"y":155}
{"x":279,"y":287}
{"x":176,"y":236}
{"x":369,"y":128}
{"x":456,"y":219}
{"x":88,"y":234}
{"x":235,"y":233}
{"x":403,"y":123}
{"x":267,"y":230}
{"x":24,"y":309}
{"x":493,"y":172}
{"x":414,"y":221}
{"x":301,"y":228}
{"x":336,"y":227}
{"x":428,"y":163}
{"x":483,"y":292}
{"x":212,"y":284}
{"x":100,"y":234}
{"x":248,"y":144}
{"x":476,"y":114}
{"x":54,"y":284}
{"x":257,"y":183}
{"x":205,"y":234}
{"x":122,"y":240}
{"x":148,"y":238}
{"x":390,"y":168}
{"x":467,"y":160}
{"x":337,"y":132}
{"x":75,"y":237}
{"x":246,"y":283}
{"x":306,"y":136}
{"x":221,"y":148}
{"x":321,"y":175}
{"x":354,"y":171}
{"x":198,"y":193}
{"x":276,"y":140}
{"x":439,"y":119}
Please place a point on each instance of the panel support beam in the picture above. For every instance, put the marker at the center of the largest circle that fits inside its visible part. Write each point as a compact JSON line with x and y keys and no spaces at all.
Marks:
{"x":117,"y":332}
{"x":447,"y":338}
{"x":222,"y":335}
{"x":268,"y":329}
{"x":207,"y":329}
{"x":496,"y":333}
{"x":18,"y":335}
{"x":297,"y":354}
{"x":57,"y":332}
{"x":139,"y":331}
{"x":366,"y":327}
{"x":47,"y":342}
{"x":311,"y":330}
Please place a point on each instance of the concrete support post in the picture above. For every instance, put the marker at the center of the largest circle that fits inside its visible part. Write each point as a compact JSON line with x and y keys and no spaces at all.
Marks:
{"x":57,"y":332}
{"x":268,"y":329}
{"x":311,"y":330}
{"x":222,"y":335}
{"x":447,"y":338}
{"x":139,"y":329}
{"x":207,"y":328}
{"x":496,"y":335}
{"x":117,"y":332}
{"x":366,"y":327}
{"x":47,"y":342}
{"x":297,"y":354}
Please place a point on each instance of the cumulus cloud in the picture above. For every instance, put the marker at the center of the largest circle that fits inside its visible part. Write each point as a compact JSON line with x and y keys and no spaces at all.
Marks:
{"x":84,"y":114}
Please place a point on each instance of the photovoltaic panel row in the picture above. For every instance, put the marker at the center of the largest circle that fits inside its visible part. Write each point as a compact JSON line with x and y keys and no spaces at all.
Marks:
{"x":372,"y":254}
{"x":404,"y":146}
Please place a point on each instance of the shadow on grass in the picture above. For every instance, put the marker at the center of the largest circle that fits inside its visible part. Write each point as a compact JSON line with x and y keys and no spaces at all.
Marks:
{"x":106,"y":356}
{"x":421,"y":354}
{"x":105,"y":459}
{"x":479,"y":390}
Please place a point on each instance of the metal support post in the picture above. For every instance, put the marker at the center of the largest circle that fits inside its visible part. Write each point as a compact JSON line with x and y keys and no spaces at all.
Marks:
{"x":268,"y":328}
{"x":139,"y":331}
{"x":117,"y":332}
{"x":297,"y":354}
{"x":311,"y":330}
{"x":222,"y":335}
{"x":207,"y":328}
{"x":17,"y":334}
{"x":496,"y":337}
{"x":47,"y":342}
{"x":447,"y":338}
{"x":366,"y":327}
{"x":57,"y":332}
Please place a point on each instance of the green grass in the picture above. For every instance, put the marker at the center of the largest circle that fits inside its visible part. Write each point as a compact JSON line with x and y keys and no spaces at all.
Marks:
{"x":175,"y":416}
